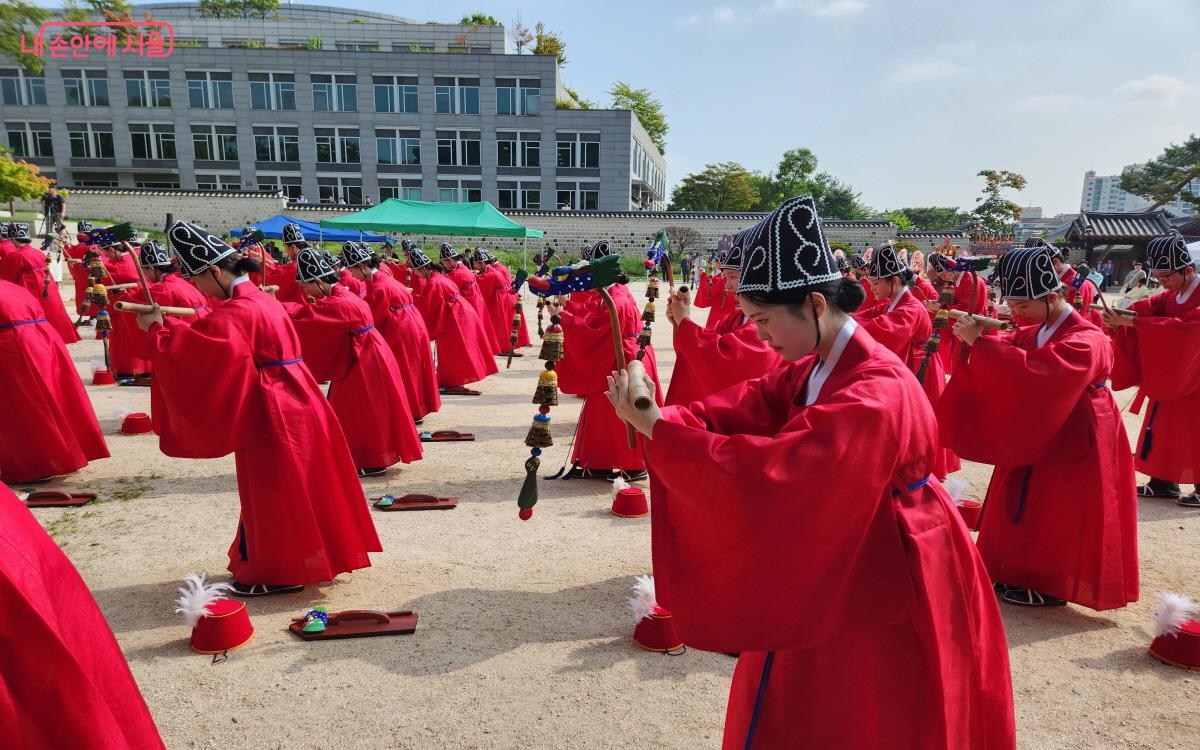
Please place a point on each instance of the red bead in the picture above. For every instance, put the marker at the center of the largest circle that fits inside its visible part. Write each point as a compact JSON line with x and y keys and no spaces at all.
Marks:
{"x":543,"y":410}
{"x":525,"y":514}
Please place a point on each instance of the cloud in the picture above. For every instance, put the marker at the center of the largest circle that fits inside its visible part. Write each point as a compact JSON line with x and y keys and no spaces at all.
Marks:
{"x":819,"y":8}
{"x":719,"y":16}
{"x":926,"y":70}
{"x":1046,"y":103}
{"x":1157,"y":87}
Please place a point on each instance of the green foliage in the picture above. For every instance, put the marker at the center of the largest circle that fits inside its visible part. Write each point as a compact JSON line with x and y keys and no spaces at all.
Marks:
{"x":579,"y":100}
{"x":995,"y":212}
{"x":1167,"y":178}
{"x":549,"y":43}
{"x":911,"y":247}
{"x":899,"y":218}
{"x":479,"y":19}
{"x":189,"y":43}
{"x":253,"y":44}
{"x":19,"y":17}
{"x":720,"y":187}
{"x":313,"y":42}
{"x":19,"y":180}
{"x":648,"y":110}
{"x":565,"y":104}
{"x":796,"y":175}
{"x":239,"y":8}
{"x":837,"y":200}
{"x":935,"y":218}
{"x":836,"y":245}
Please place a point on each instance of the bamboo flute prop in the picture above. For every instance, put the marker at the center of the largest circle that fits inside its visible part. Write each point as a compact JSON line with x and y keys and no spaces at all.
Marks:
{"x":992,"y":324}
{"x":1114,"y":310}
{"x":140,"y":309}
{"x":563,"y":280}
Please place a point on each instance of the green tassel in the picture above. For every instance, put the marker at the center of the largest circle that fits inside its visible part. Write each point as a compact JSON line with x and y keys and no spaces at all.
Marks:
{"x":529,"y":490}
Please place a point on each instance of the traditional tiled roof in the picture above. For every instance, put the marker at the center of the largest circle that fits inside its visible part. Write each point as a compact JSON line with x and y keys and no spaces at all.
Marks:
{"x":172,"y":191}
{"x":923,"y":234}
{"x":1109,"y":226}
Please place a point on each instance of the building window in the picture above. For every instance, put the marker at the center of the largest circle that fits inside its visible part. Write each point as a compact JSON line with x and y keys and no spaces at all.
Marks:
{"x":518,"y":96}
{"x":458,"y":148}
{"x":339,"y":189}
{"x":409,"y":190}
{"x":289,"y":185}
{"x":218,"y":182}
{"x":210,"y":90}
{"x":156,"y":181}
{"x":152,"y":141}
{"x":95,"y":183}
{"x":18,"y":88}
{"x":520,"y":195}
{"x":91,"y":140}
{"x":398,"y":147}
{"x":147,"y":88}
{"x":518,"y":149}
{"x":30,"y":140}
{"x":578,"y":196}
{"x":357,"y":47}
{"x":86,"y":88}
{"x":215,"y":142}
{"x":334,"y":93}
{"x":395,"y":93}
{"x":578,"y":151}
{"x":276,"y":143}
{"x":337,"y":145}
{"x":460,"y":191}
{"x":272,"y":91}
{"x":456,"y":96}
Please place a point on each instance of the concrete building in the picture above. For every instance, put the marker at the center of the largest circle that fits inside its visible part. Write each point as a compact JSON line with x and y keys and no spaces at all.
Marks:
{"x":1034,"y":223}
{"x":1103,"y":193}
{"x":333,"y":104}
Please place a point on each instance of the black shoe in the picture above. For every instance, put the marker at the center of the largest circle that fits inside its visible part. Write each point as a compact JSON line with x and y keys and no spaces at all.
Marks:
{"x":1190,"y":501}
{"x":372,"y":471}
{"x":264,"y":589}
{"x":635,"y":476}
{"x":581,"y":473}
{"x":1150,"y":490}
{"x":1030,"y":598}
{"x":419,"y":421}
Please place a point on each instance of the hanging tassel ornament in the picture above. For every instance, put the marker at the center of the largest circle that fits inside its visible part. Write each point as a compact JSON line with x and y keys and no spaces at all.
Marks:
{"x":648,"y":313}
{"x":539,"y":432}
{"x":652,"y":288}
{"x":528,"y":496}
{"x":546,"y":393}
{"x":643,"y":340}
{"x":941,"y":320}
{"x":103,"y":323}
{"x":541,"y":309}
{"x":552,"y":342}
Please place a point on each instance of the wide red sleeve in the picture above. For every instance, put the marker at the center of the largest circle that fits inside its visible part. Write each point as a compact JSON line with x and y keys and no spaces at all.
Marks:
{"x":708,"y":290}
{"x":324,"y":339}
{"x":590,"y":351}
{"x":206,"y":390}
{"x":434,"y":307}
{"x":894,"y":329}
{"x":1007,"y":406}
{"x":769,"y":536}
{"x":1168,"y":355}
{"x":737,"y":355}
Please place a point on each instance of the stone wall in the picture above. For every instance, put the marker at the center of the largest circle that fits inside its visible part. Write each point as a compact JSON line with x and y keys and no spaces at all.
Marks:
{"x":148,"y":209}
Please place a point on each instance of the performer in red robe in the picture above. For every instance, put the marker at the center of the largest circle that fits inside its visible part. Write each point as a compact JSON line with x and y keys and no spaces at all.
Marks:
{"x":166,"y":289}
{"x":79,"y":268}
{"x":923,"y":289}
{"x":402,"y":327}
{"x":970,"y":295}
{"x":495,"y":284}
{"x":1060,"y":519}
{"x":843,"y":575}
{"x":1159,"y":351}
{"x":235,"y":382}
{"x":49,"y":425}
{"x":858,"y":268}
{"x":283,"y":275}
{"x":900,"y":322}
{"x":341,"y":345}
{"x":601,"y":448}
{"x":25,"y":266}
{"x":67,"y":684}
{"x":711,"y":360}
{"x":468,"y":287}
{"x":463,"y":352}
{"x":6,"y":245}
{"x":714,"y":293}
{"x":523,"y":339}
{"x":127,"y":351}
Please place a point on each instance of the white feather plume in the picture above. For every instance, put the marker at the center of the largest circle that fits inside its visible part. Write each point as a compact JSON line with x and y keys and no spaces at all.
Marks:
{"x":195,"y":595}
{"x":641,"y":604}
{"x":124,"y":410}
{"x":956,"y":487}
{"x":1171,"y":612}
{"x":619,"y":484}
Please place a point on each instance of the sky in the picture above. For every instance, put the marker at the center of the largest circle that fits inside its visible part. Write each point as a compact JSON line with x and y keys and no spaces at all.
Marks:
{"x":904,"y":99}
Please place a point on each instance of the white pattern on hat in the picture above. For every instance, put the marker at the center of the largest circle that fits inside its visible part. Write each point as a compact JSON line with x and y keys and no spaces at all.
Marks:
{"x":788,"y":250}
{"x":196,"y":247}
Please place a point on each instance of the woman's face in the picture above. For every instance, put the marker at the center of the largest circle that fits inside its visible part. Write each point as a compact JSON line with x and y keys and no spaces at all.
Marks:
{"x":206,"y":282}
{"x":882,"y":288}
{"x":732,"y":276}
{"x":1032,"y":310}
{"x":789,"y":330}
{"x":313,"y":289}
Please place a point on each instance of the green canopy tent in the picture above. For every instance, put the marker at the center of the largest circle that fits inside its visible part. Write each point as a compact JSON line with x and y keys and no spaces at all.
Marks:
{"x":422,"y":217}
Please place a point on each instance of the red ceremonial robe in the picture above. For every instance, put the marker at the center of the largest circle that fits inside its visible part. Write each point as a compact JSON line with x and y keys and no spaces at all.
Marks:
{"x":865,"y":283}
{"x":463,"y":348}
{"x":468,"y":286}
{"x":64,"y":682}
{"x":600,"y":436}
{"x":711,"y":360}
{"x":80,"y":274}
{"x":923,"y":289}
{"x":170,"y":291}
{"x":49,"y":425}
{"x":496,"y":302}
{"x":347,"y":279}
{"x":904,"y":332}
{"x":127,"y":351}
{"x":717,"y":296}
{"x":283,"y":275}
{"x":402,"y":327}
{"x":235,"y":382}
{"x":862,"y":589}
{"x":571,"y":377}
{"x":523,"y":339}
{"x":26,"y":266}
{"x":7,"y":247}
{"x":1161,"y":353}
{"x":340,"y":345}
{"x":949,"y":349}
{"x":1061,"y":511}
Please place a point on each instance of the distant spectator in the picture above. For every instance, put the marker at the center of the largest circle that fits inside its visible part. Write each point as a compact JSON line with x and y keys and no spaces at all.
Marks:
{"x":1138,"y":291}
{"x":341,"y":201}
{"x":1131,"y":278}
{"x":368,"y":201}
{"x":302,"y":199}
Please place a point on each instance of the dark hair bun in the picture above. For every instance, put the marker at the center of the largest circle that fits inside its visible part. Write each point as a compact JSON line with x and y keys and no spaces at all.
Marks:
{"x":846,"y":293}
{"x":243,"y":265}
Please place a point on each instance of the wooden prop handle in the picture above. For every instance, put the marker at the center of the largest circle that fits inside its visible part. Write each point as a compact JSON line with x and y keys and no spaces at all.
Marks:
{"x":994,"y":324}
{"x":639,"y":394}
{"x":119,"y":287}
{"x":270,"y":288}
{"x":134,"y":307}
{"x":1114,"y":310}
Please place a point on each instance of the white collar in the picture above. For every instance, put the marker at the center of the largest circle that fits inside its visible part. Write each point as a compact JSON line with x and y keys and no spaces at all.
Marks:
{"x":896,"y":300}
{"x":823,"y":368}
{"x":237,"y":280}
{"x":1186,"y":292}
{"x":1047,"y":331}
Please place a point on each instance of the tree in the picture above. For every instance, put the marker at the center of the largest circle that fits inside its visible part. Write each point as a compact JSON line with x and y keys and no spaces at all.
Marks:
{"x":214,"y":8}
{"x":479,"y":19}
{"x":720,"y":187}
{"x":683,"y":238}
{"x":995,"y":212}
{"x":549,"y":43}
{"x":1167,"y":178}
{"x":19,"y":180}
{"x":580,"y":102}
{"x":795,"y":168}
{"x":520,"y":34}
{"x":899,"y":218}
{"x":935,"y":218}
{"x":648,"y":110}
{"x":18,"y":17}
{"x":836,"y":200}
{"x":238,"y":8}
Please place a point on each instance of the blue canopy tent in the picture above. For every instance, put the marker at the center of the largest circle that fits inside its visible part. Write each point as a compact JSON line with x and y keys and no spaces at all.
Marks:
{"x":273,"y":228}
